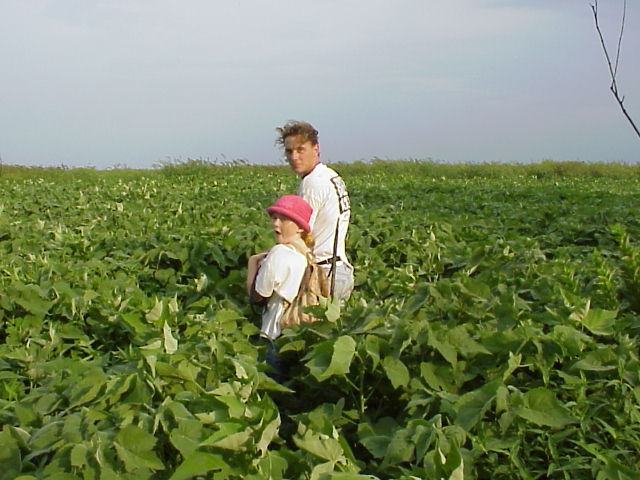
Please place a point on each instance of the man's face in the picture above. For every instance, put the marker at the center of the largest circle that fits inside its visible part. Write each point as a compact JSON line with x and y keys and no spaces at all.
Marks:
{"x":301,"y":155}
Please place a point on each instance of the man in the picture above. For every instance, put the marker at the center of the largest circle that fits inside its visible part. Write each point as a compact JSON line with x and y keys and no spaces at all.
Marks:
{"x":326,"y":192}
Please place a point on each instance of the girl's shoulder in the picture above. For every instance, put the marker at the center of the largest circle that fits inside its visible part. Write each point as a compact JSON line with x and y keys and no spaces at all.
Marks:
{"x":283,"y":250}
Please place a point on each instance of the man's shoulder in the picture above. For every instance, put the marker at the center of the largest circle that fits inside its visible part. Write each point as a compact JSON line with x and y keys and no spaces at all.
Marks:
{"x":325,"y":171}
{"x":320,"y":175}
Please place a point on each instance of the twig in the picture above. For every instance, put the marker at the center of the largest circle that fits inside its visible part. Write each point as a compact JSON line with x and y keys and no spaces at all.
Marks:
{"x":624,"y":16}
{"x":613,"y":70}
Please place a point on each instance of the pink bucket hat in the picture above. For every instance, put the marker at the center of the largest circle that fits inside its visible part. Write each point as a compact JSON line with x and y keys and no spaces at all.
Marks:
{"x":295,"y":208}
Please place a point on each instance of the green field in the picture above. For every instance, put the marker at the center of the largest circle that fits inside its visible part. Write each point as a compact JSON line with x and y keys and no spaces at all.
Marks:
{"x":494,"y":331}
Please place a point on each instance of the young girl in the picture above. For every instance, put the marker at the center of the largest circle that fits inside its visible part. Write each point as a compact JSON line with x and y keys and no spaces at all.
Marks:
{"x":274,"y":276}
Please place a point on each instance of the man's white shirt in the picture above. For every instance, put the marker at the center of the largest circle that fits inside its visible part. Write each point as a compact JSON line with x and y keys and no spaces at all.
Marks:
{"x":326,"y":192}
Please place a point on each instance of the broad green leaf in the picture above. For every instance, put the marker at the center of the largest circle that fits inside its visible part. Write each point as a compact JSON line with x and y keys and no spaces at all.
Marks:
{"x":179,"y":411}
{"x":376,"y":438}
{"x":79,"y":455}
{"x":269,"y":434}
{"x":134,"y":320}
{"x":476,"y":288}
{"x":598,"y":361}
{"x":170,"y":343}
{"x":241,"y":368}
{"x":570,"y":339}
{"x":501,"y":445}
{"x":472,"y":405}
{"x":10,"y":458}
{"x":118,"y":387}
{"x":372,"y":346}
{"x":202,"y":282}
{"x":513,"y":364}
{"x":401,"y":449}
{"x":343,"y":350}
{"x":183,"y":370}
{"x":226,"y":315}
{"x":437,"y":377}
{"x":417,"y":300}
{"x":135,"y":448}
{"x":542,"y":408}
{"x":172,"y":304}
{"x":138,"y":460}
{"x":373,"y":322}
{"x":327,"y":309}
{"x":72,"y":429}
{"x":443,"y":346}
{"x":32,"y":299}
{"x":350,"y":476}
{"x":330,"y":309}
{"x":153,"y":346}
{"x":230,"y":436}
{"x":319,"y":445}
{"x":48,"y":435}
{"x":600,"y":322}
{"x":451,"y":465}
{"x":293,"y":346}
{"x":272,"y":466}
{"x":151,"y":360}
{"x":236,"y":408}
{"x":332,"y":358}
{"x":155,"y":313}
{"x":47,"y":403}
{"x":396,"y":371}
{"x":614,"y":470}
{"x":323,"y":418}
{"x":502,"y":399}
{"x":322,"y":471}
{"x":198,"y":463}
{"x":71,"y":332}
{"x":88,"y":389}
{"x":186,"y":442}
{"x":460,"y":338}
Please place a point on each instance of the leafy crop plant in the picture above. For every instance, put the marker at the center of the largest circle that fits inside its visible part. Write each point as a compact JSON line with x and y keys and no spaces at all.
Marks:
{"x":493,"y":331}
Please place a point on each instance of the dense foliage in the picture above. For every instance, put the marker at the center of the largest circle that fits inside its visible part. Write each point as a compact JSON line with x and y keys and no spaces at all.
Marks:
{"x":493,"y":333}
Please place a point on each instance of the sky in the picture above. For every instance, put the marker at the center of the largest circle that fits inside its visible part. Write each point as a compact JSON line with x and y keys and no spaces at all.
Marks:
{"x":139,"y":83}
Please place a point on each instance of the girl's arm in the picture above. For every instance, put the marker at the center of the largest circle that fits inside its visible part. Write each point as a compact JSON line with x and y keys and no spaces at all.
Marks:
{"x":252,"y":271}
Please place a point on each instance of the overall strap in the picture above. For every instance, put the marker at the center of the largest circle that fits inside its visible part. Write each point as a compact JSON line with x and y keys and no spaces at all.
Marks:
{"x":333,"y":261}
{"x":306,"y":252}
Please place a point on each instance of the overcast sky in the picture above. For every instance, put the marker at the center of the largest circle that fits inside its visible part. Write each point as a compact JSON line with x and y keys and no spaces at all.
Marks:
{"x":136,"y":82}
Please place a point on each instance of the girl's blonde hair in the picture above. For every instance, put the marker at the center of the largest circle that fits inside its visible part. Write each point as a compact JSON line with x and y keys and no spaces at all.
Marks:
{"x":308,"y":240}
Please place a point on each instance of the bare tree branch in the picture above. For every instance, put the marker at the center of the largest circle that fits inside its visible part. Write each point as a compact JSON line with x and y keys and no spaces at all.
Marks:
{"x":613,"y":68}
{"x":624,"y":16}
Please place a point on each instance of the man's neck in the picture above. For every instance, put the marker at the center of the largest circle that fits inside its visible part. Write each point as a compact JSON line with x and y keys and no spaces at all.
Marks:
{"x":309,"y":172}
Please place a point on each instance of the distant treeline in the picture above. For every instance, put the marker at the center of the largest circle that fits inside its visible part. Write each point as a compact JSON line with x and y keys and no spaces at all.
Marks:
{"x":427,"y":168}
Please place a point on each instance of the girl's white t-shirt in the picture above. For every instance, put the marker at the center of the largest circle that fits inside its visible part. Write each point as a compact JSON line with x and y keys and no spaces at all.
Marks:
{"x":279,"y":278}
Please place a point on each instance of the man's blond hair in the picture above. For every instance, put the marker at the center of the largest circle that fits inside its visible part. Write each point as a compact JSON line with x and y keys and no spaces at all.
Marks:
{"x":293,"y":128}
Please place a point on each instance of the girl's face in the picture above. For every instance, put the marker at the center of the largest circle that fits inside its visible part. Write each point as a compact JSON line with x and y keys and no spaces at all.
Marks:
{"x":285,"y":229}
